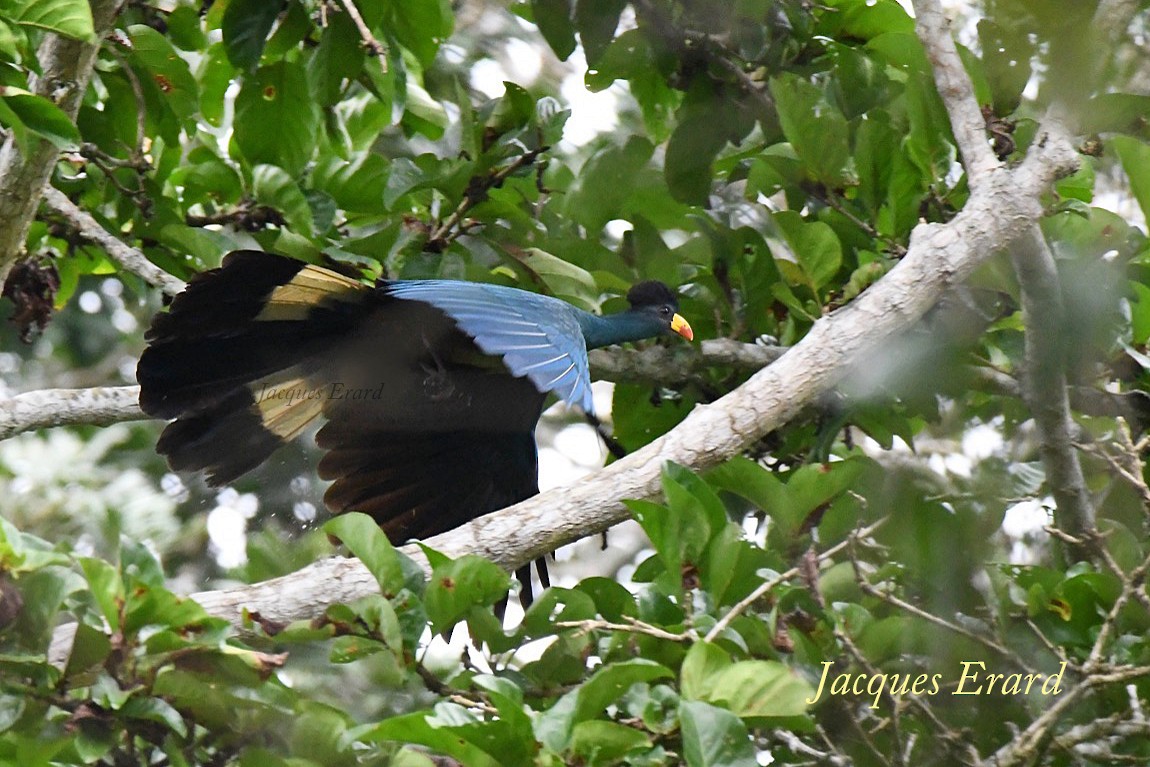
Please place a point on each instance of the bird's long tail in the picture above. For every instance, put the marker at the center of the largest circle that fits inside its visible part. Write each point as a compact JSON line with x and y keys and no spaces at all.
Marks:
{"x":234,"y":359}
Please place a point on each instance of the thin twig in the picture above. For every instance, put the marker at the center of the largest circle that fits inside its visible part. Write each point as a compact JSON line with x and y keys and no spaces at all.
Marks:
{"x":374,"y":47}
{"x":477,"y":193}
{"x":126,"y":256}
{"x":632,"y":625}
{"x":956,"y":90}
{"x":768,"y":586}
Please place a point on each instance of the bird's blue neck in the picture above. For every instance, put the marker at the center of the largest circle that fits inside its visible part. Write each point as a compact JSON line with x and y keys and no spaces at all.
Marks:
{"x":616,"y":328}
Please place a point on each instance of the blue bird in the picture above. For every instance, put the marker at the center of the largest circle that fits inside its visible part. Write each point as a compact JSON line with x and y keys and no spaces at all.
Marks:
{"x":430,"y":391}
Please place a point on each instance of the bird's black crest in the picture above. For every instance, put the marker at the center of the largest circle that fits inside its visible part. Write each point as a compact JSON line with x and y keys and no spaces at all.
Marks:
{"x":651,"y":293}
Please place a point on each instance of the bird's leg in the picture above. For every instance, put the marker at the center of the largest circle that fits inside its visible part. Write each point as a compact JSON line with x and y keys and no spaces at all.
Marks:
{"x":613,"y":447}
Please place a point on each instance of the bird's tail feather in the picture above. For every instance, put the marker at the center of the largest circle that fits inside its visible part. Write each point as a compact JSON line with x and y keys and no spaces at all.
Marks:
{"x":234,"y":360}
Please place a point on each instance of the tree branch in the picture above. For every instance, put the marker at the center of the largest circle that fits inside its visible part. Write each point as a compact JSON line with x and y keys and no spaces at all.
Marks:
{"x":675,"y":364}
{"x":126,"y":256}
{"x":65,"y":67}
{"x":1045,"y":390}
{"x":46,"y":408}
{"x":957,"y":92}
{"x":374,"y":47}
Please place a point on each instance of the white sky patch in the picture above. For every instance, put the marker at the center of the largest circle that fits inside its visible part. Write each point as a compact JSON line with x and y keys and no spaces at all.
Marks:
{"x":581,"y":444}
{"x":227,"y":526}
{"x":591,"y":113}
{"x":487,"y":76}
{"x":525,"y":61}
{"x":617,"y":227}
{"x":1027,"y":517}
{"x":1022,"y":525}
{"x":982,"y":441}
{"x":557,"y":469}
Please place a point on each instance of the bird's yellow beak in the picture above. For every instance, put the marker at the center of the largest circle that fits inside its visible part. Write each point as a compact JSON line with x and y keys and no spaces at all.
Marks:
{"x":682,"y":327}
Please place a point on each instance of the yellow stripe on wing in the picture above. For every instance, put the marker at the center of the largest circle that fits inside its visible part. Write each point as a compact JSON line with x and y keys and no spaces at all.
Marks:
{"x":286,"y":406}
{"x":311,"y":287}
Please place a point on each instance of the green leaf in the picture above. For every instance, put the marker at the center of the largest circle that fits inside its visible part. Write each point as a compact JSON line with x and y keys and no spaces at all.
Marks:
{"x":420,"y":26}
{"x":338,"y":58}
{"x":700,"y":669}
{"x":691,"y":153}
{"x":459,"y":585}
{"x":601,"y":743}
{"x":70,"y":18}
{"x":347,"y":649}
{"x":185,"y":29}
{"x":612,"y":599}
{"x":555,"y":727}
{"x":930,"y":141}
{"x":156,"y":710}
{"x":816,"y":129}
{"x":89,"y":648}
{"x":403,"y":176}
{"x":11,"y":709}
{"x":38,"y":115}
{"x":1006,"y":53}
{"x":553,"y":17}
{"x":564,"y":279}
{"x":686,"y":492}
{"x":356,"y":186}
{"x":364,"y":538}
{"x":610,"y":682}
{"x":606,"y":181}
{"x":273,"y":186}
{"x":277,"y":119}
{"x":431,"y":731}
{"x":246,"y":25}
{"x":1135,"y":158}
{"x":168,"y":70}
{"x":815,"y":244}
{"x":678,"y":537}
{"x":713,"y":737}
{"x":106,"y":587}
{"x":508,"y":699}
{"x":1078,"y":185}
{"x":596,"y":21}
{"x":1116,"y":112}
{"x":760,"y":688}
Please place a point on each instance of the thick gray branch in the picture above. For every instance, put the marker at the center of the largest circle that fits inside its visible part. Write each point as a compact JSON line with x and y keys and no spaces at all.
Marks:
{"x":680,"y":362}
{"x":45,"y":408}
{"x":126,"y":256}
{"x":957,"y":92}
{"x":1045,"y":390}
{"x":65,"y":67}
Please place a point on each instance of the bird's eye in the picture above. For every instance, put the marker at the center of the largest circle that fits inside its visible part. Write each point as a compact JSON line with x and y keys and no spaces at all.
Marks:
{"x":665,"y":311}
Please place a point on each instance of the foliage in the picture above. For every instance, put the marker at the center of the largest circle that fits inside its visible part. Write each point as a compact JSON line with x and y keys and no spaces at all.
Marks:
{"x":772,"y":157}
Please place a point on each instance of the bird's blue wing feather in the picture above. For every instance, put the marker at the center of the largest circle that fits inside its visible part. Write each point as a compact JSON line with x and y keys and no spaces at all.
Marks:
{"x":537,"y":336}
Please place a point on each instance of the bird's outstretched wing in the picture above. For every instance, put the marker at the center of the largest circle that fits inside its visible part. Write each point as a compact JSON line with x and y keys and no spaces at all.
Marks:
{"x":536,"y":336}
{"x":425,"y":429}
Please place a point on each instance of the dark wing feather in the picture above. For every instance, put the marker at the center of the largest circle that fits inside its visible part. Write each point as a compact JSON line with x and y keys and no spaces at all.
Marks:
{"x":420,"y":485}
